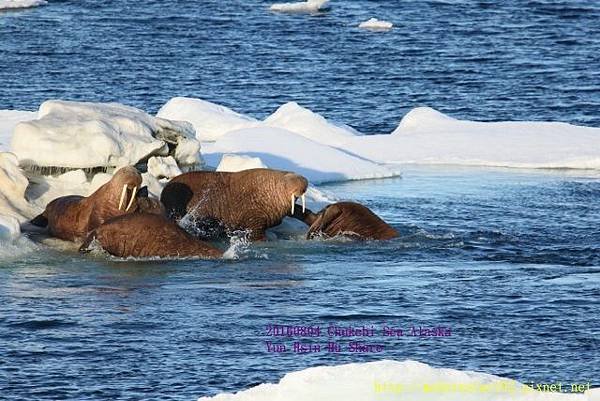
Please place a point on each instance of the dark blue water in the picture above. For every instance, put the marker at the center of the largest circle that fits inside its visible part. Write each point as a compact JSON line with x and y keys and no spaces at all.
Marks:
{"x":488,"y":60}
{"x":509,"y":260}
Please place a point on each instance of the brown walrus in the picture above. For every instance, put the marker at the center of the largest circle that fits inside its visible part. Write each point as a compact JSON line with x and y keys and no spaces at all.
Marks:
{"x":348,"y":219}
{"x":144,"y":235}
{"x":73,"y":217}
{"x":221,"y":203}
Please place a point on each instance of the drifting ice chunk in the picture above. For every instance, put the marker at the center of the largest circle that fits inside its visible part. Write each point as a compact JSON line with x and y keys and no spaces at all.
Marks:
{"x":14,"y":4}
{"x":187,"y":153}
{"x":163,"y":167}
{"x":391,"y":380}
{"x":88,"y":135}
{"x":376,"y":25}
{"x":285,"y":150}
{"x":210,"y":120}
{"x":300,"y":120}
{"x":309,"y":6}
{"x":233,"y":163}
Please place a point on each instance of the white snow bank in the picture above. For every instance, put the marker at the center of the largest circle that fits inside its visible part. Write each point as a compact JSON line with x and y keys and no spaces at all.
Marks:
{"x":426,"y":136}
{"x":87,"y":135}
{"x":376,"y":24}
{"x":300,"y":120}
{"x":309,"y":6}
{"x":285,"y":150}
{"x":209,"y":120}
{"x":8,"y":120}
{"x":13,"y":4}
{"x":392,"y":380}
{"x":234,"y":163}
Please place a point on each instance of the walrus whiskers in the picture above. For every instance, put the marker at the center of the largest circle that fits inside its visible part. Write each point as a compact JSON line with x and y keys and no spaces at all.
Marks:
{"x":123,"y":193}
{"x":132,"y":199}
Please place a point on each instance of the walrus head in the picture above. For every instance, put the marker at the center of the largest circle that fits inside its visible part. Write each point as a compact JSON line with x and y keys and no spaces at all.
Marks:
{"x":296,"y":186}
{"x":348,"y":219}
{"x":126,"y":183}
{"x":115,"y":198}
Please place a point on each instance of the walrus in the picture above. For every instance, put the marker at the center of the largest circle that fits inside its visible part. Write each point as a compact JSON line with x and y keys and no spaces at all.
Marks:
{"x":144,"y":235}
{"x":221,"y":203}
{"x":73,"y":217}
{"x":347,"y":219}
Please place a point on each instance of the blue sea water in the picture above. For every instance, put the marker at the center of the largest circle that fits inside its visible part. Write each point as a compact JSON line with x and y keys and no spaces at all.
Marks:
{"x":508,"y":259}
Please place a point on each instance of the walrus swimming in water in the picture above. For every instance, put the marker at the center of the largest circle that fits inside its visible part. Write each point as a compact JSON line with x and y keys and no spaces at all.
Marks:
{"x":221,"y":203}
{"x":73,"y":217}
{"x":144,"y":235}
{"x":347,"y":219}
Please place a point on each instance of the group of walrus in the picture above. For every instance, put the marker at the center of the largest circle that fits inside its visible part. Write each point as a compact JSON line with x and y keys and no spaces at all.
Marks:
{"x":124,"y":221}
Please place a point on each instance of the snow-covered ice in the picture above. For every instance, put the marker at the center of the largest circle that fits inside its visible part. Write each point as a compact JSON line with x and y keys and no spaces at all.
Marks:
{"x":376,"y":24}
{"x":285,"y":150}
{"x":8,"y":120}
{"x":309,"y":6}
{"x":15,"y":4}
{"x":426,"y":136}
{"x":233,"y":163}
{"x":210,"y":120}
{"x":293,"y":117}
{"x":394,"y":380}
{"x":10,"y":229}
{"x":163,"y":167}
{"x":88,"y":135}
{"x":13,"y":185}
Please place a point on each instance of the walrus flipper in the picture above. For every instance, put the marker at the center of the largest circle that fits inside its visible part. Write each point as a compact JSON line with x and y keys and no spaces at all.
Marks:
{"x":40,"y":220}
{"x":85,"y":247}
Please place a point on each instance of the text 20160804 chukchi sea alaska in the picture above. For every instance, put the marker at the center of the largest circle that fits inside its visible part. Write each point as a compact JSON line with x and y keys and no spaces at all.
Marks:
{"x":333,"y":338}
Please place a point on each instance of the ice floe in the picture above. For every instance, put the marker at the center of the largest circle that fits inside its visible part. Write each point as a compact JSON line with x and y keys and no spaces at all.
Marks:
{"x":293,"y":117}
{"x":394,"y":380}
{"x":426,"y":136}
{"x":92,"y":135}
{"x":376,"y":25}
{"x":210,"y":120}
{"x":16,"y":4}
{"x":13,"y":185}
{"x":309,"y":6}
{"x":234,"y":163}
{"x":163,"y":167}
{"x":10,"y":228}
{"x":8,"y":120}
{"x":285,"y":150}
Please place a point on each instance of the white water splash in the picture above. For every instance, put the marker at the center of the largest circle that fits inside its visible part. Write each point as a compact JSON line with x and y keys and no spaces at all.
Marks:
{"x":239,"y":246}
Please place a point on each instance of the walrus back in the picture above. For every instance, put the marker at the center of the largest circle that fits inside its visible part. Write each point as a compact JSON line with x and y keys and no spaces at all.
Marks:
{"x":148,"y":235}
{"x":181,"y":194}
{"x":65,"y":218}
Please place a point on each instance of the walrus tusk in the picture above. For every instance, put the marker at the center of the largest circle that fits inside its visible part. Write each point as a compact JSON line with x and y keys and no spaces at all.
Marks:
{"x":293,"y":203}
{"x":123,"y":193}
{"x":132,"y":199}
{"x":303,"y":204}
